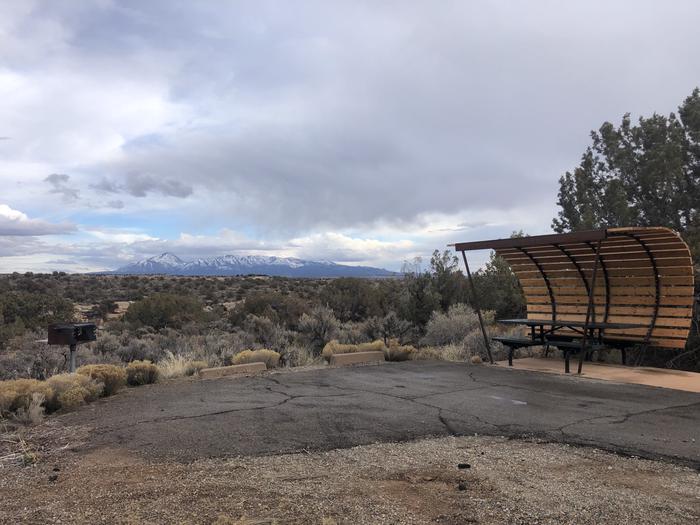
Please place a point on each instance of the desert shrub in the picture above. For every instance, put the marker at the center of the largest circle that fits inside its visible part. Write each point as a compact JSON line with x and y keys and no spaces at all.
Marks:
{"x":143,"y":347}
{"x":111,"y":376}
{"x":107,"y":344}
{"x":474,"y":344}
{"x":451,"y":327}
{"x":396,"y":352}
{"x":352,"y":333}
{"x":334,"y":347}
{"x":297,"y":356}
{"x":72,"y":390}
{"x":17,"y":394}
{"x":141,"y":373}
{"x":269,"y":357}
{"x":319,"y":327}
{"x":24,"y":357}
{"x":390,"y":326}
{"x":266,"y":332}
{"x":279,"y":308}
{"x":162,"y":310}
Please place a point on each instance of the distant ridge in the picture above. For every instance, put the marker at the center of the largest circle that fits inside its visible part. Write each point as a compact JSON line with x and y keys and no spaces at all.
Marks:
{"x":170,"y":264}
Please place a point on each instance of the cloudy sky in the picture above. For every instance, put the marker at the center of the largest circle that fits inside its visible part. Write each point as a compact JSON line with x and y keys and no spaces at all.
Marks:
{"x":360,"y":132}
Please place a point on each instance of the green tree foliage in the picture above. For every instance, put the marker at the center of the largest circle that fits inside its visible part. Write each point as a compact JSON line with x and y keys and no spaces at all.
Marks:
{"x":499,"y":289}
{"x":20,"y":311}
{"x":391,"y":326}
{"x":282,"y":309}
{"x":351,"y":299}
{"x":448,"y":281}
{"x":419,"y":299}
{"x":646,"y":174}
{"x":163,"y":310}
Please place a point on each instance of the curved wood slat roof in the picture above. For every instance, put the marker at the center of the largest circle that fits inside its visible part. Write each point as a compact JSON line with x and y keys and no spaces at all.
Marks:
{"x":645,"y":277}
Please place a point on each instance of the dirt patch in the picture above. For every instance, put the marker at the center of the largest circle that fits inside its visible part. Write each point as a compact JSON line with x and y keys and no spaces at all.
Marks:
{"x":507,"y":481}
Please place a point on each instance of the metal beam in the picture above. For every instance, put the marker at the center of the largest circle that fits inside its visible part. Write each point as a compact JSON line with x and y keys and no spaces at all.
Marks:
{"x":475,"y":302}
{"x":589,"y":311}
{"x":535,"y":240}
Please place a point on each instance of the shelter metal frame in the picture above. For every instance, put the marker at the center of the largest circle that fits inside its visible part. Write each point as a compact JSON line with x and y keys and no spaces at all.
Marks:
{"x":647,"y":280}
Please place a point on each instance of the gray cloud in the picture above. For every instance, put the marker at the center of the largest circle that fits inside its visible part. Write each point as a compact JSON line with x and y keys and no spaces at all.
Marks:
{"x":327,"y":122}
{"x":139,"y":185}
{"x":59,"y":184}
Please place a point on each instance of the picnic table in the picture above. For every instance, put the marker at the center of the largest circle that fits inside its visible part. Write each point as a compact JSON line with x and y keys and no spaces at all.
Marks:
{"x":539,"y":336}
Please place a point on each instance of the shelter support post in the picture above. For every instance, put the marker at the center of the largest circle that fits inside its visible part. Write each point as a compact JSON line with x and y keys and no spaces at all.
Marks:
{"x":71,"y":365}
{"x":589,"y":311}
{"x":476,"y":303}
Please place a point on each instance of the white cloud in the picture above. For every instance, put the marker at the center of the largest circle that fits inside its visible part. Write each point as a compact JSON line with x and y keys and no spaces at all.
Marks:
{"x":15,"y":223}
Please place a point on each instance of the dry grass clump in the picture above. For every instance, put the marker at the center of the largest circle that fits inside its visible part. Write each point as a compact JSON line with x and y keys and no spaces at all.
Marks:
{"x":26,"y":399}
{"x":179,"y":366}
{"x":428,"y":353}
{"x":17,"y":394}
{"x":111,"y":376}
{"x":70,"y":391}
{"x":397,"y":352}
{"x":334,"y":347}
{"x":34,"y":413}
{"x":443,"y":353}
{"x":141,"y":373}
{"x":269,"y":357}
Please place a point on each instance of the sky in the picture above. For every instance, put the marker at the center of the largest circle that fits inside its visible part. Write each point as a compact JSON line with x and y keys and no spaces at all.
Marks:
{"x":353,"y":131}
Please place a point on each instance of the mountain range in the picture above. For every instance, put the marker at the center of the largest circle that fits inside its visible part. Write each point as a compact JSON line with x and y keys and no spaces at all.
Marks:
{"x":171,"y":264}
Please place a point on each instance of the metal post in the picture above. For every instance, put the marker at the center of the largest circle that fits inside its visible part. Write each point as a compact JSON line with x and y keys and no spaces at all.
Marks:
{"x":589,"y":311}
{"x":72,"y":358}
{"x":475,"y":302}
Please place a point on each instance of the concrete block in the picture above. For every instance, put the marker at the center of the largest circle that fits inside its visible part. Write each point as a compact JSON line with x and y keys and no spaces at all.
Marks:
{"x":223,"y":371}
{"x":357,"y":358}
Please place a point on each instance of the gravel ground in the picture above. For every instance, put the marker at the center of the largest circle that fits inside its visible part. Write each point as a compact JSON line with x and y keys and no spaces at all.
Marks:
{"x":507,"y":481}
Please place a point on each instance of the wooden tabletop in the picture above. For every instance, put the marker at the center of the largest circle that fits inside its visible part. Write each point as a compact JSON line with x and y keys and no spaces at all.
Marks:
{"x":573,"y":324}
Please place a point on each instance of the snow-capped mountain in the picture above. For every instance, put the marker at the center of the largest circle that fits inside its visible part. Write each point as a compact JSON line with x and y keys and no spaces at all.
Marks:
{"x":170,"y":264}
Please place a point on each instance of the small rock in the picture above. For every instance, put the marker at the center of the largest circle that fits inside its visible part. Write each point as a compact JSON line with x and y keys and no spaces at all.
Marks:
{"x":464,"y":465}
{"x":53,"y":477}
{"x":56,"y":469}
{"x":462,"y":486}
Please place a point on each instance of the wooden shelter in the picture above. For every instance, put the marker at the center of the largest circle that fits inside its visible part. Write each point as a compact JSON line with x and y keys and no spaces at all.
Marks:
{"x":631,"y":276}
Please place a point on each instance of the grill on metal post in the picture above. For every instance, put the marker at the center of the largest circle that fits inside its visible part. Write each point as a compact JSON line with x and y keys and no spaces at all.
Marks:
{"x":71,"y":335}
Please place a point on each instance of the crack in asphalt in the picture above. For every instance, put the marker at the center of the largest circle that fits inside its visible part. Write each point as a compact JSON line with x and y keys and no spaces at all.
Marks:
{"x":624,"y":417}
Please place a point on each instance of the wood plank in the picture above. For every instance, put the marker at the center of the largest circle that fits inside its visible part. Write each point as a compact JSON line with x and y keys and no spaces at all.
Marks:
{"x":639,"y":311}
{"x":671,"y":262}
{"x":668,"y":322}
{"x":681,"y":280}
{"x":665,"y":342}
{"x":664,"y":311}
{"x":656,"y":333}
{"x":623,"y":300}
{"x":617,"y":291}
{"x":612,"y":272}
